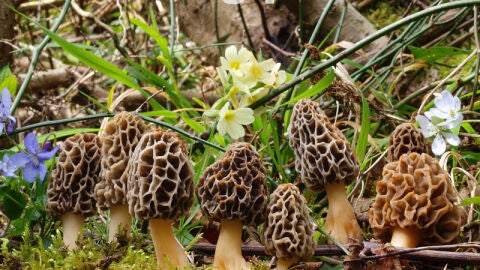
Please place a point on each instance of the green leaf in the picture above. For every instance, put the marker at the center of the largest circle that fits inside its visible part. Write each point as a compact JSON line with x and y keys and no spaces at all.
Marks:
{"x":8,"y":80}
{"x":88,"y":58}
{"x":193,"y":124}
{"x":94,"y":101}
{"x":361,"y":146}
{"x":470,"y":130}
{"x":433,"y":54}
{"x":319,"y":87}
{"x":153,"y":33}
{"x":162,"y":113}
{"x":14,"y":203}
{"x":467,"y":201}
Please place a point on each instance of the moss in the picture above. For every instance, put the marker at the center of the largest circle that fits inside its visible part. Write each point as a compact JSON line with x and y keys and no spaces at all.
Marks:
{"x":383,"y":13}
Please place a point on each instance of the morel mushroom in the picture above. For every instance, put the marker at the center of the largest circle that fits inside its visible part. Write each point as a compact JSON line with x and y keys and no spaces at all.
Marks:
{"x":414,"y":204}
{"x":119,"y":139}
{"x":233,"y":191}
{"x":406,"y":139}
{"x":289,"y":230}
{"x":70,"y":190}
{"x":160,"y":190}
{"x":325,"y":161}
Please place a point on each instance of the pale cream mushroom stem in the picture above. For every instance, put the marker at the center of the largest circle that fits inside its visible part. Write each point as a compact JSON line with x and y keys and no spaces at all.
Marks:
{"x":284,"y":264}
{"x":228,"y":252}
{"x":406,"y":238}
{"x":72,"y":225}
{"x":170,"y":253}
{"x":341,"y":222}
{"x":120,"y":221}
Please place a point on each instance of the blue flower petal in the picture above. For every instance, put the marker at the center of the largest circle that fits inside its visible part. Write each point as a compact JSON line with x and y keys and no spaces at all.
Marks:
{"x":31,"y":143}
{"x":19,"y":160}
{"x":30,"y":172}
{"x":6,"y":99}
{"x":46,"y":155}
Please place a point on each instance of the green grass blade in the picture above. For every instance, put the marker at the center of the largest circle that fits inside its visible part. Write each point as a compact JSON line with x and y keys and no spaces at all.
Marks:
{"x":319,"y":87}
{"x":361,"y":146}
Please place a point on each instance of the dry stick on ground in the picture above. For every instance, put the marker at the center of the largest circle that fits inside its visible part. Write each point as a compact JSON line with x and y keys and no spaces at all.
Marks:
{"x":427,"y":253}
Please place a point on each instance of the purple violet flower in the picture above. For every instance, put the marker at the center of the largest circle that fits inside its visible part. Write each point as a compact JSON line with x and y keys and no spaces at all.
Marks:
{"x":7,"y":121}
{"x":34,"y":159}
{"x":9,"y":165}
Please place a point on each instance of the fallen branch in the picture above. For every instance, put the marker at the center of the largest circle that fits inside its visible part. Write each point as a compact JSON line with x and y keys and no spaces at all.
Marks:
{"x":437,"y":254}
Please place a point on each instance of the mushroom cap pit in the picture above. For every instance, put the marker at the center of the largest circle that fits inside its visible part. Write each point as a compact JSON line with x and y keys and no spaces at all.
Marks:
{"x":415,"y":193}
{"x":74,"y":177}
{"x":234,"y":187}
{"x":160,"y":183}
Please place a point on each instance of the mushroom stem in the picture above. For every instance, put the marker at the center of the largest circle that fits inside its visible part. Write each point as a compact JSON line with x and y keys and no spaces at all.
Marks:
{"x":406,"y":238}
{"x":72,"y":224}
{"x":341,"y":222}
{"x":170,"y":253}
{"x":120,"y":220}
{"x":284,"y":264}
{"x":228,"y":253}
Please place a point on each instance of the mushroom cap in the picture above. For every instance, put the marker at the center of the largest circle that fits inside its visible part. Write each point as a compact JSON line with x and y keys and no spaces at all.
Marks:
{"x":415,"y":193}
{"x":322,"y":153}
{"x":160,"y":183}
{"x":289,"y":230}
{"x":74,"y":177}
{"x":119,"y":139}
{"x":406,"y":139}
{"x":234,"y":187}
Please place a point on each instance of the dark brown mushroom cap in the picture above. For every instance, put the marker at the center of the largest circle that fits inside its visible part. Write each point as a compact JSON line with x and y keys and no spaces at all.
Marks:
{"x":415,"y":193}
{"x":74,"y":177}
{"x":235,"y":186}
{"x":406,"y":139}
{"x":322,"y":153}
{"x":160,"y":184}
{"x":289,"y":230}
{"x":119,"y":139}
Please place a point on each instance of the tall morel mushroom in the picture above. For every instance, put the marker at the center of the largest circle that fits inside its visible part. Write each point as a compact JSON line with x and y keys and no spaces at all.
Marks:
{"x":406,"y":139}
{"x":289,"y":230}
{"x":414,"y":204}
{"x":70,"y":190}
{"x":160,"y":190}
{"x":325,"y":161}
{"x":233,"y":191}
{"x":119,"y":140}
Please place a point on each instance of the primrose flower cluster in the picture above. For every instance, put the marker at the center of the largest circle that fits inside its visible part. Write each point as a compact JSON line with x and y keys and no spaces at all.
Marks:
{"x":245,"y":81}
{"x":33,"y":160}
{"x":442,"y":122}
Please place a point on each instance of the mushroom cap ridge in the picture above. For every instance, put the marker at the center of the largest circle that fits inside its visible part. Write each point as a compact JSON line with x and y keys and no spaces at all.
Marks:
{"x":74,"y":177}
{"x":234,"y":187}
{"x":160,"y":183}
{"x":415,"y":193}
{"x":322,"y":153}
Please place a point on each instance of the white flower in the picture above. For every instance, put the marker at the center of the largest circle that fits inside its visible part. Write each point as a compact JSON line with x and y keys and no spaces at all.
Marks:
{"x":251,"y":97}
{"x":279,"y":75}
{"x":255,"y":72}
{"x":446,"y":107}
{"x":431,"y":128}
{"x":231,"y":121}
{"x":234,"y":59}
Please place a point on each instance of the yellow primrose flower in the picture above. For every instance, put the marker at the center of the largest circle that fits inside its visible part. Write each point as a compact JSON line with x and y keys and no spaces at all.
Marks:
{"x":251,"y":97}
{"x":280,"y":75}
{"x":255,"y":72}
{"x":231,"y":121}
{"x":234,"y":59}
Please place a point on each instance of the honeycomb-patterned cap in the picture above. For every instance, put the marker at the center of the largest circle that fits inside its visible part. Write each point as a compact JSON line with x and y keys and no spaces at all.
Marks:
{"x":415,"y":193}
{"x":289,"y":230}
{"x":160,"y":184}
{"x":406,"y":139}
{"x":74,"y":177}
{"x":235,"y":186}
{"x":119,"y":139}
{"x":322,"y":153}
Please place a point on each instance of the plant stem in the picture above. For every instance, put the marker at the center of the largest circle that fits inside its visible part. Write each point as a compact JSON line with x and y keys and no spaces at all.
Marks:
{"x":332,"y":61}
{"x":36,"y":55}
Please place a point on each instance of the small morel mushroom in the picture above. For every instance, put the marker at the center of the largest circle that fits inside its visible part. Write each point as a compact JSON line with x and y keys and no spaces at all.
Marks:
{"x":325,"y":161}
{"x":160,"y":190}
{"x":119,"y":139}
{"x":415,"y":204}
{"x":233,"y":191}
{"x":289,"y":230}
{"x":406,"y":139}
{"x":70,"y":190}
